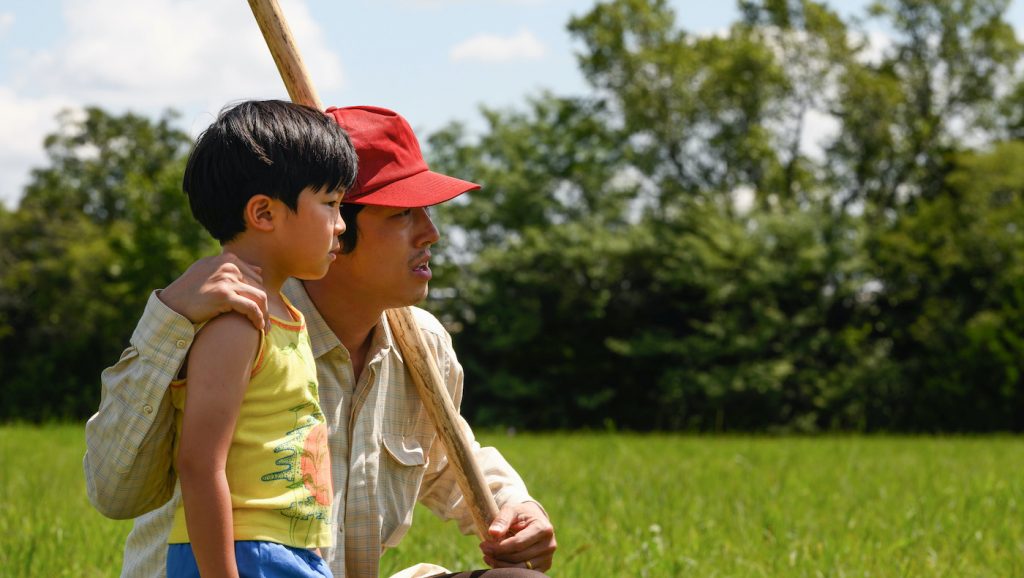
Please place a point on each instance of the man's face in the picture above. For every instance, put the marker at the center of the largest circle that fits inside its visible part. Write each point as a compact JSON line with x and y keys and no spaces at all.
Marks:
{"x":390,"y":264}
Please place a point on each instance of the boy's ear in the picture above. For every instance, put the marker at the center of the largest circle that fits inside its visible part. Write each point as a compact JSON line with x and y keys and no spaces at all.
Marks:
{"x":259,"y":213}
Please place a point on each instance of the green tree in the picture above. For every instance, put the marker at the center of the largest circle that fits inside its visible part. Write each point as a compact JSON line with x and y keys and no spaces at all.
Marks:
{"x":953,"y":278}
{"x":95,"y":232}
{"x":666,"y":253}
{"x":934,"y":89}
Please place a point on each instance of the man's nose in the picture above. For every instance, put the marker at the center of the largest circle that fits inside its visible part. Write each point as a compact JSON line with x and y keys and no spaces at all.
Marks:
{"x":427,"y":232}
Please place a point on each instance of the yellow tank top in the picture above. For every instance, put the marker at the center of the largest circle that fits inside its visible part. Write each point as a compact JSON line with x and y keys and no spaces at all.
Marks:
{"x":278,"y":465}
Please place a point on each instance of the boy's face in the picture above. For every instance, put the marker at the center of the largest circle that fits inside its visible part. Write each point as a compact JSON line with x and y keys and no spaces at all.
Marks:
{"x":311,"y":233}
{"x":390,"y":266}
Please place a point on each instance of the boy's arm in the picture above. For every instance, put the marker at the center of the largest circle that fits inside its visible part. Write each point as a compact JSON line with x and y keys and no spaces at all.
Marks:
{"x":128,"y":459}
{"x":218,"y":374}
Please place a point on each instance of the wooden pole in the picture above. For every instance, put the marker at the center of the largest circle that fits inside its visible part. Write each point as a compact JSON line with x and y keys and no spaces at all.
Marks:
{"x":286,"y":55}
{"x":418,"y":359}
{"x":442,"y":412}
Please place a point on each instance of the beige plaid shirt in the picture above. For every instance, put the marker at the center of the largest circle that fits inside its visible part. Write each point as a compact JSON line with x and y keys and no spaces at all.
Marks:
{"x":384,"y":455}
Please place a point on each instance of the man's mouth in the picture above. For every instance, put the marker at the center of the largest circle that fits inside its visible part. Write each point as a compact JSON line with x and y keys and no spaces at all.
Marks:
{"x":421,"y":262}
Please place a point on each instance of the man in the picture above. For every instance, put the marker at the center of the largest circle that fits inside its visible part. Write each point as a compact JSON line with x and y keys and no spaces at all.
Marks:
{"x":384,"y":453}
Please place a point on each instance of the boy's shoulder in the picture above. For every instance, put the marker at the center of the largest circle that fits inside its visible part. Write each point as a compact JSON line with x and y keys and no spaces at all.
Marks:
{"x":227,"y":327}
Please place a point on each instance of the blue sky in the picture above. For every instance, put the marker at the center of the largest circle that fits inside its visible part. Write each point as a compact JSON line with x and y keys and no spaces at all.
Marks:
{"x":431,"y":60}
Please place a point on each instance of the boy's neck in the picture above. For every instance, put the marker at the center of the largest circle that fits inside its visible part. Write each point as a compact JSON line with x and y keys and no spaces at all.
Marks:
{"x":272,"y":277}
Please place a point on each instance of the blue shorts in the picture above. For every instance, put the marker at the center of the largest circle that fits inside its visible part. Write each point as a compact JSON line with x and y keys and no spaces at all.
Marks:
{"x":255,"y":560}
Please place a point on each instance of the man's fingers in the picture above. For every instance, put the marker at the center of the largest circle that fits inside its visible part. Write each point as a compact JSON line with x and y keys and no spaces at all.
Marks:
{"x":250,"y":309}
{"x":239,"y":287}
{"x":230,"y":268}
{"x":541,"y":564}
{"x":535,"y":544}
{"x":521,"y":536}
{"x":500,"y":524}
{"x":528,"y":535}
{"x":215,"y":285}
{"x":257,"y":296}
{"x":250,"y":274}
{"x":236,"y":271}
{"x":521,"y":548}
{"x":516,"y":559}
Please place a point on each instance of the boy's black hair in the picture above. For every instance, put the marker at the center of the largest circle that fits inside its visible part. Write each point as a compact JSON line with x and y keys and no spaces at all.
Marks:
{"x":269,"y":147}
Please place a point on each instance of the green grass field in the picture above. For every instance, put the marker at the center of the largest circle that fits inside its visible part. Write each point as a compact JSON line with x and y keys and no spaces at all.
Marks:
{"x":627,"y":505}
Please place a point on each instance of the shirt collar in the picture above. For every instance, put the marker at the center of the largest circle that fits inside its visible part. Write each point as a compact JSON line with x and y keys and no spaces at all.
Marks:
{"x":321,"y":338}
{"x":387,"y":339}
{"x":382,"y":343}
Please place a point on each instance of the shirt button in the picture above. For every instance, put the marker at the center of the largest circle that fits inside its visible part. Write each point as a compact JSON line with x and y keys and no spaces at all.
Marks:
{"x":181,"y":344}
{"x":147,"y":408}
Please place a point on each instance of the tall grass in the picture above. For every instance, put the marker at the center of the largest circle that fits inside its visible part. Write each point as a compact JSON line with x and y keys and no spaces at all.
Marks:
{"x":47,"y":527}
{"x":666,"y":506}
{"x":627,"y":505}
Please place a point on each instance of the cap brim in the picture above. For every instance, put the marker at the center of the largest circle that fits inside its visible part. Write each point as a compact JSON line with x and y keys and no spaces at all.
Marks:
{"x":420,"y":190}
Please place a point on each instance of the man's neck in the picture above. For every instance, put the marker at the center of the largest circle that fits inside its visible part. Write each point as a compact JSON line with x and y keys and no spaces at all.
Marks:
{"x":351,"y":320}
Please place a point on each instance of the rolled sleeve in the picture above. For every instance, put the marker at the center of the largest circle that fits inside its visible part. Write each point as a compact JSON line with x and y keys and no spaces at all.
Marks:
{"x":440,"y":491}
{"x":129,"y":440}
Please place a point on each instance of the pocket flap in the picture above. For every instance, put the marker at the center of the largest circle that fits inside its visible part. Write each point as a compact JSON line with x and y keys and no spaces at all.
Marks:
{"x":407,"y":450}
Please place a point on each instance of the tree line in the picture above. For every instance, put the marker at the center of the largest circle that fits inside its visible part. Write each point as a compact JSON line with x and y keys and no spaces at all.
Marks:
{"x":681,"y":248}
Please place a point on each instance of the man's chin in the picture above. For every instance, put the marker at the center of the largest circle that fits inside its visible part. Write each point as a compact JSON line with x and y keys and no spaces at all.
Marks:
{"x":421,"y":296}
{"x":410,"y":300}
{"x":419,"y":300}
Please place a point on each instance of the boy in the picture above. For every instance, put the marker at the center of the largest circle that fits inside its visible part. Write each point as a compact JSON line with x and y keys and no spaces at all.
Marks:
{"x":265,"y":179}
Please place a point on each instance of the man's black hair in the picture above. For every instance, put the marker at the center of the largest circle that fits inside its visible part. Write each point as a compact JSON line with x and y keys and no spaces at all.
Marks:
{"x":349,"y":238}
{"x":270,"y":147}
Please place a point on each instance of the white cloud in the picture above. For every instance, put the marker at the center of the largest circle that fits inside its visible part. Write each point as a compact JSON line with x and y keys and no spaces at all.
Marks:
{"x":876,"y":44}
{"x":820,"y":128}
{"x":6,"y":21}
{"x":743,"y":198}
{"x":26,"y":122}
{"x":433,"y":3}
{"x":191,"y":55}
{"x":171,"y":53}
{"x":492,"y":48}
{"x":443,"y":3}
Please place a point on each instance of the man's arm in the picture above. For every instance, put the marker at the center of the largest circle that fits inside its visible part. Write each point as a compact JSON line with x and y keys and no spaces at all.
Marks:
{"x":522,"y":531}
{"x":128,"y":441}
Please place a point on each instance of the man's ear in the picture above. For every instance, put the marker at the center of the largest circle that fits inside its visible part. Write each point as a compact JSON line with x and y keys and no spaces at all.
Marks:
{"x":259,"y":213}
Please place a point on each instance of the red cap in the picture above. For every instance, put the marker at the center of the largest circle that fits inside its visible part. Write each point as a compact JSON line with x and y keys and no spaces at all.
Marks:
{"x":392,"y":171}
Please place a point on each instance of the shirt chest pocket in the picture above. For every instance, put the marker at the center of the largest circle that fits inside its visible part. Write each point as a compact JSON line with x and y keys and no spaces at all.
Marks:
{"x":402,"y":468}
{"x":407,"y":450}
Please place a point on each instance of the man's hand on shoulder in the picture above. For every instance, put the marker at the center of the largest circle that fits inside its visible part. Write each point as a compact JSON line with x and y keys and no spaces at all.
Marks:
{"x":215,"y":285}
{"x":520,"y":537}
